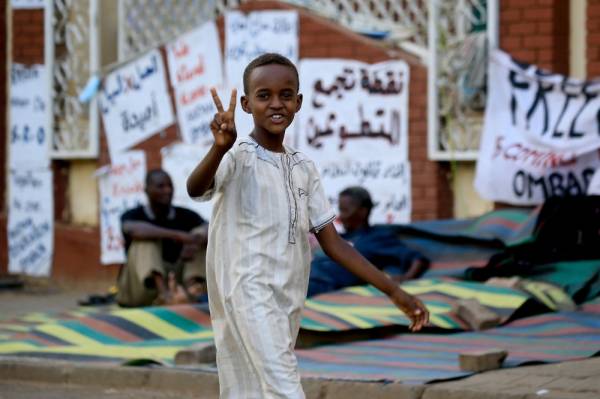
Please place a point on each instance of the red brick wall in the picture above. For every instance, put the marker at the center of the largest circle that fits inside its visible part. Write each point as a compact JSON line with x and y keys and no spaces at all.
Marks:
{"x":593,"y":39}
{"x":3,"y":78}
{"x":537,"y":32}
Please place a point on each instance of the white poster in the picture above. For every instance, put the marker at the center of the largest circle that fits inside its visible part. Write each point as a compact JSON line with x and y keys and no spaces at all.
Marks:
{"x":121,"y":188}
{"x":541,"y":134}
{"x":179,"y":160}
{"x":249,"y":35}
{"x":195,"y":66}
{"x":594,"y":187}
{"x":29,"y":117}
{"x":135,"y":103}
{"x":30,"y":222}
{"x":27,"y":4}
{"x":353,"y":125}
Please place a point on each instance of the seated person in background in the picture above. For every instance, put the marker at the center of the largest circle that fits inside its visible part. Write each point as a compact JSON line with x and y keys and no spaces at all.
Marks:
{"x":379,"y":244}
{"x":164,"y":243}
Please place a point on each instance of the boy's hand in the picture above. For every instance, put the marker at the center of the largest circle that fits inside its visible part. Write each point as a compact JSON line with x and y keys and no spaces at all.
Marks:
{"x":223,"y":123}
{"x":412,"y":307}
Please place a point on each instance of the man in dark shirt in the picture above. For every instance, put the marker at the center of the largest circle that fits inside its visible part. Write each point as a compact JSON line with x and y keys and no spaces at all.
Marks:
{"x":166,"y":248}
{"x":379,"y":244}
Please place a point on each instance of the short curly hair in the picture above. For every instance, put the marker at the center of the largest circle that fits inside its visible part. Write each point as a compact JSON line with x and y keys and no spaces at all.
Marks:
{"x":268,"y":59}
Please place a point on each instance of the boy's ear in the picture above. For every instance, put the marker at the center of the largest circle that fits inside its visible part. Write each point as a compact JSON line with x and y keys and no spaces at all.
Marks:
{"x":299,"y":102}
{"x":244,"y":102}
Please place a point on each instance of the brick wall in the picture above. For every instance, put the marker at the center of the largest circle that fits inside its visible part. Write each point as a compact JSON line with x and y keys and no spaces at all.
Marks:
{"x":593,"y":38}
{"x":3,"y":109}
{"x":537,"y":32}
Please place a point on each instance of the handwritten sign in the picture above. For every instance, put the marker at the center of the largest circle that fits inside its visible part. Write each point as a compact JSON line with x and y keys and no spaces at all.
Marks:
{"x":541,"y":134}
{"x":179,"y":160}
{"x":247,"y":37}
{"x":27,"y":4}
{"x":195,"y":66}
{"x":29,"y":117}
{"x":121,"y":188}
{"x":30,"y":222}
{"x":135,"y":103}
{"x":353,"y":124}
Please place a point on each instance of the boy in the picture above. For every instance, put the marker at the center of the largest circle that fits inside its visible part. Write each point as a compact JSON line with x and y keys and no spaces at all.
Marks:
{"x":267,"y":198}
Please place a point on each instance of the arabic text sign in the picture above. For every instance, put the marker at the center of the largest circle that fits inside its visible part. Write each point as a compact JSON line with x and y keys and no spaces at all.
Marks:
{"x":541,"y":134}
{"x":353,"y":109}
{"x":30,"y":222}
{"x":29,"y":117}
{"x":247,"y":37}
{"x":135,"y":103}
{"x":23,"y":4}
{"x":121,"y":188}
{"x":195,"y":66}
{"x":179,"y":160}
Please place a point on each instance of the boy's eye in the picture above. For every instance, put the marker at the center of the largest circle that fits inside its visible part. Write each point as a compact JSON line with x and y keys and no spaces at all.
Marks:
{"x":262,"y":96}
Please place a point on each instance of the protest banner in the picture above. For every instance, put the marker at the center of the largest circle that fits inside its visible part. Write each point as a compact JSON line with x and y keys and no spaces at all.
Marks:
{"x":249,"y":35}
{"x":353,"y":125}
{"x":30,"y":222}
{"x":135,"y":103}
{"x":121,"y":187}
{"x":29,"y":117}
{"x":195,"y":66}
{"x":27,"y":4}
{"x":541,"y":134}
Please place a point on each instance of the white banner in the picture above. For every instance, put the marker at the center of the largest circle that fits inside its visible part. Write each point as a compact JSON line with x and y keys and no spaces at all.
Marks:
{"x":541,"y":134}
{"x":135,"y":103}
{"x":353,"y":124}
{"x":121,"y":187}
{"x":179,"y":160}
{"x":30,"y":222}
{"x":195,"y":66}
{"x":29,"y":117}
{"x":27,"y":4}
{"x":247,"y":37}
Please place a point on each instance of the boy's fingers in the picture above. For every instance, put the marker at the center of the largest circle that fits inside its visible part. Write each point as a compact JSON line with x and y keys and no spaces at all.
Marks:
{"x":216,"y":99}
{"x":233,"y":101}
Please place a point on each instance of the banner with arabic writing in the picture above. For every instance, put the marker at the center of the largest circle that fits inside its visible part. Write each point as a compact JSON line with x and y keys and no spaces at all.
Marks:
{"x":135,"y":103}
{"x":353,"y":124}
{"x":541,"y":135}
{"x":195,"y":66}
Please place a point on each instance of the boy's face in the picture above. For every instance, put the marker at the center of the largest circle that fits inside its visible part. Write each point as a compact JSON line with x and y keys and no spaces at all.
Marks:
{"x":272,"y":98}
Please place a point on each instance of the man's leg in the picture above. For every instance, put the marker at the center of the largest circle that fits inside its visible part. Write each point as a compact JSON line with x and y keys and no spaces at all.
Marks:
{"x":136,"y":285}
{"x":194,"y":269}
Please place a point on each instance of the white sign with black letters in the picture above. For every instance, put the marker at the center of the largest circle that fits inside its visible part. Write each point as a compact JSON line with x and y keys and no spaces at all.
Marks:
{"x":541,"y":134}
{"x":30,"y":222}
{"x":29,"y":117}
{"x":135,"y":103}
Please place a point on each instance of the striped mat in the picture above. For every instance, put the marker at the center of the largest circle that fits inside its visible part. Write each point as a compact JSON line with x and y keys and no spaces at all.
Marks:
{"x":421,"y":358}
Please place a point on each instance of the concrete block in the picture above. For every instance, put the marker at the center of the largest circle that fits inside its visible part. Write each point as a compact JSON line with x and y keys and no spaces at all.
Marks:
{"x":477,"y":316}
{"x":196,"y":354}
{"x":477,"y":361}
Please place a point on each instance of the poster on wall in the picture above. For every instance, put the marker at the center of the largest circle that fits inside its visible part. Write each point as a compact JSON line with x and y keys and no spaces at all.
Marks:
{"x":27,"y":4}
{"x":29,"y":131}
{"x":179,"y":160}
{"x":540,"y":135}
{"x":121,"y":187}
{"x":30,"y":222}
{"x":249,"y":35}
{"x":135,"y":103}
{"x":353,"y":125}
{"x":195,"y":65}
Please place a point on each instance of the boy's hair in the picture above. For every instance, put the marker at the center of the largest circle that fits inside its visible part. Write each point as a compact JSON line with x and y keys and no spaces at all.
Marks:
{"x":360,"y":196}
{"x":268,"y":59}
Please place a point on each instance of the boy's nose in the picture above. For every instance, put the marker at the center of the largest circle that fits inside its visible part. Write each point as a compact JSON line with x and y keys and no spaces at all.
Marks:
{"x":276,"y":103}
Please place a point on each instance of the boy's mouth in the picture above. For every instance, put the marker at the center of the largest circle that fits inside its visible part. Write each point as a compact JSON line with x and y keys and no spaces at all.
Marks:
{"x":277,"y":118}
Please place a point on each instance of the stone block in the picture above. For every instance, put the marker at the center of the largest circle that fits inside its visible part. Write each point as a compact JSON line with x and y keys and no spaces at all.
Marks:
{"x":478,"y":361}
{"x":477,"y":316}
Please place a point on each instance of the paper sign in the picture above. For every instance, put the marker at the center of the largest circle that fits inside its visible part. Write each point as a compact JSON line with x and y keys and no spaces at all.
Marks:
{"x":30,"y":222}
{"x":540,"y":136}
{"x":121,"y":188}
{"x":134,"y":102}
{"x":29,"y":117}
{"x":27,"y":4}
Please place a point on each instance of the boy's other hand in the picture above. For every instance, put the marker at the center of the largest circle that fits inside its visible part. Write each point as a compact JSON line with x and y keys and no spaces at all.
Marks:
{"x":412,"y":307}
{"x":223,"y":123}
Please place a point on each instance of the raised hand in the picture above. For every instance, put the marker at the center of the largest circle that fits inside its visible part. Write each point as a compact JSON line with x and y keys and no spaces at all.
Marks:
{"x":223,"y":123}
{"x":412,"y":307}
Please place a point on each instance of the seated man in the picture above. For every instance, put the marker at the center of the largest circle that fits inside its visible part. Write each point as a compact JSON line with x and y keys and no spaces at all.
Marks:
{"x":379,"y":244}
{"x":164,"y":243}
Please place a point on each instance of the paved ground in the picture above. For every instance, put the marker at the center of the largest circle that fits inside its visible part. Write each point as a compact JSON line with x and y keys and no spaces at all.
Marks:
{"x":42,"y":379}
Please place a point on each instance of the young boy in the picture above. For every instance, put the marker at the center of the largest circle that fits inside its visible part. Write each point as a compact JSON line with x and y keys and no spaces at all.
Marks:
{"x":267,"y":198}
